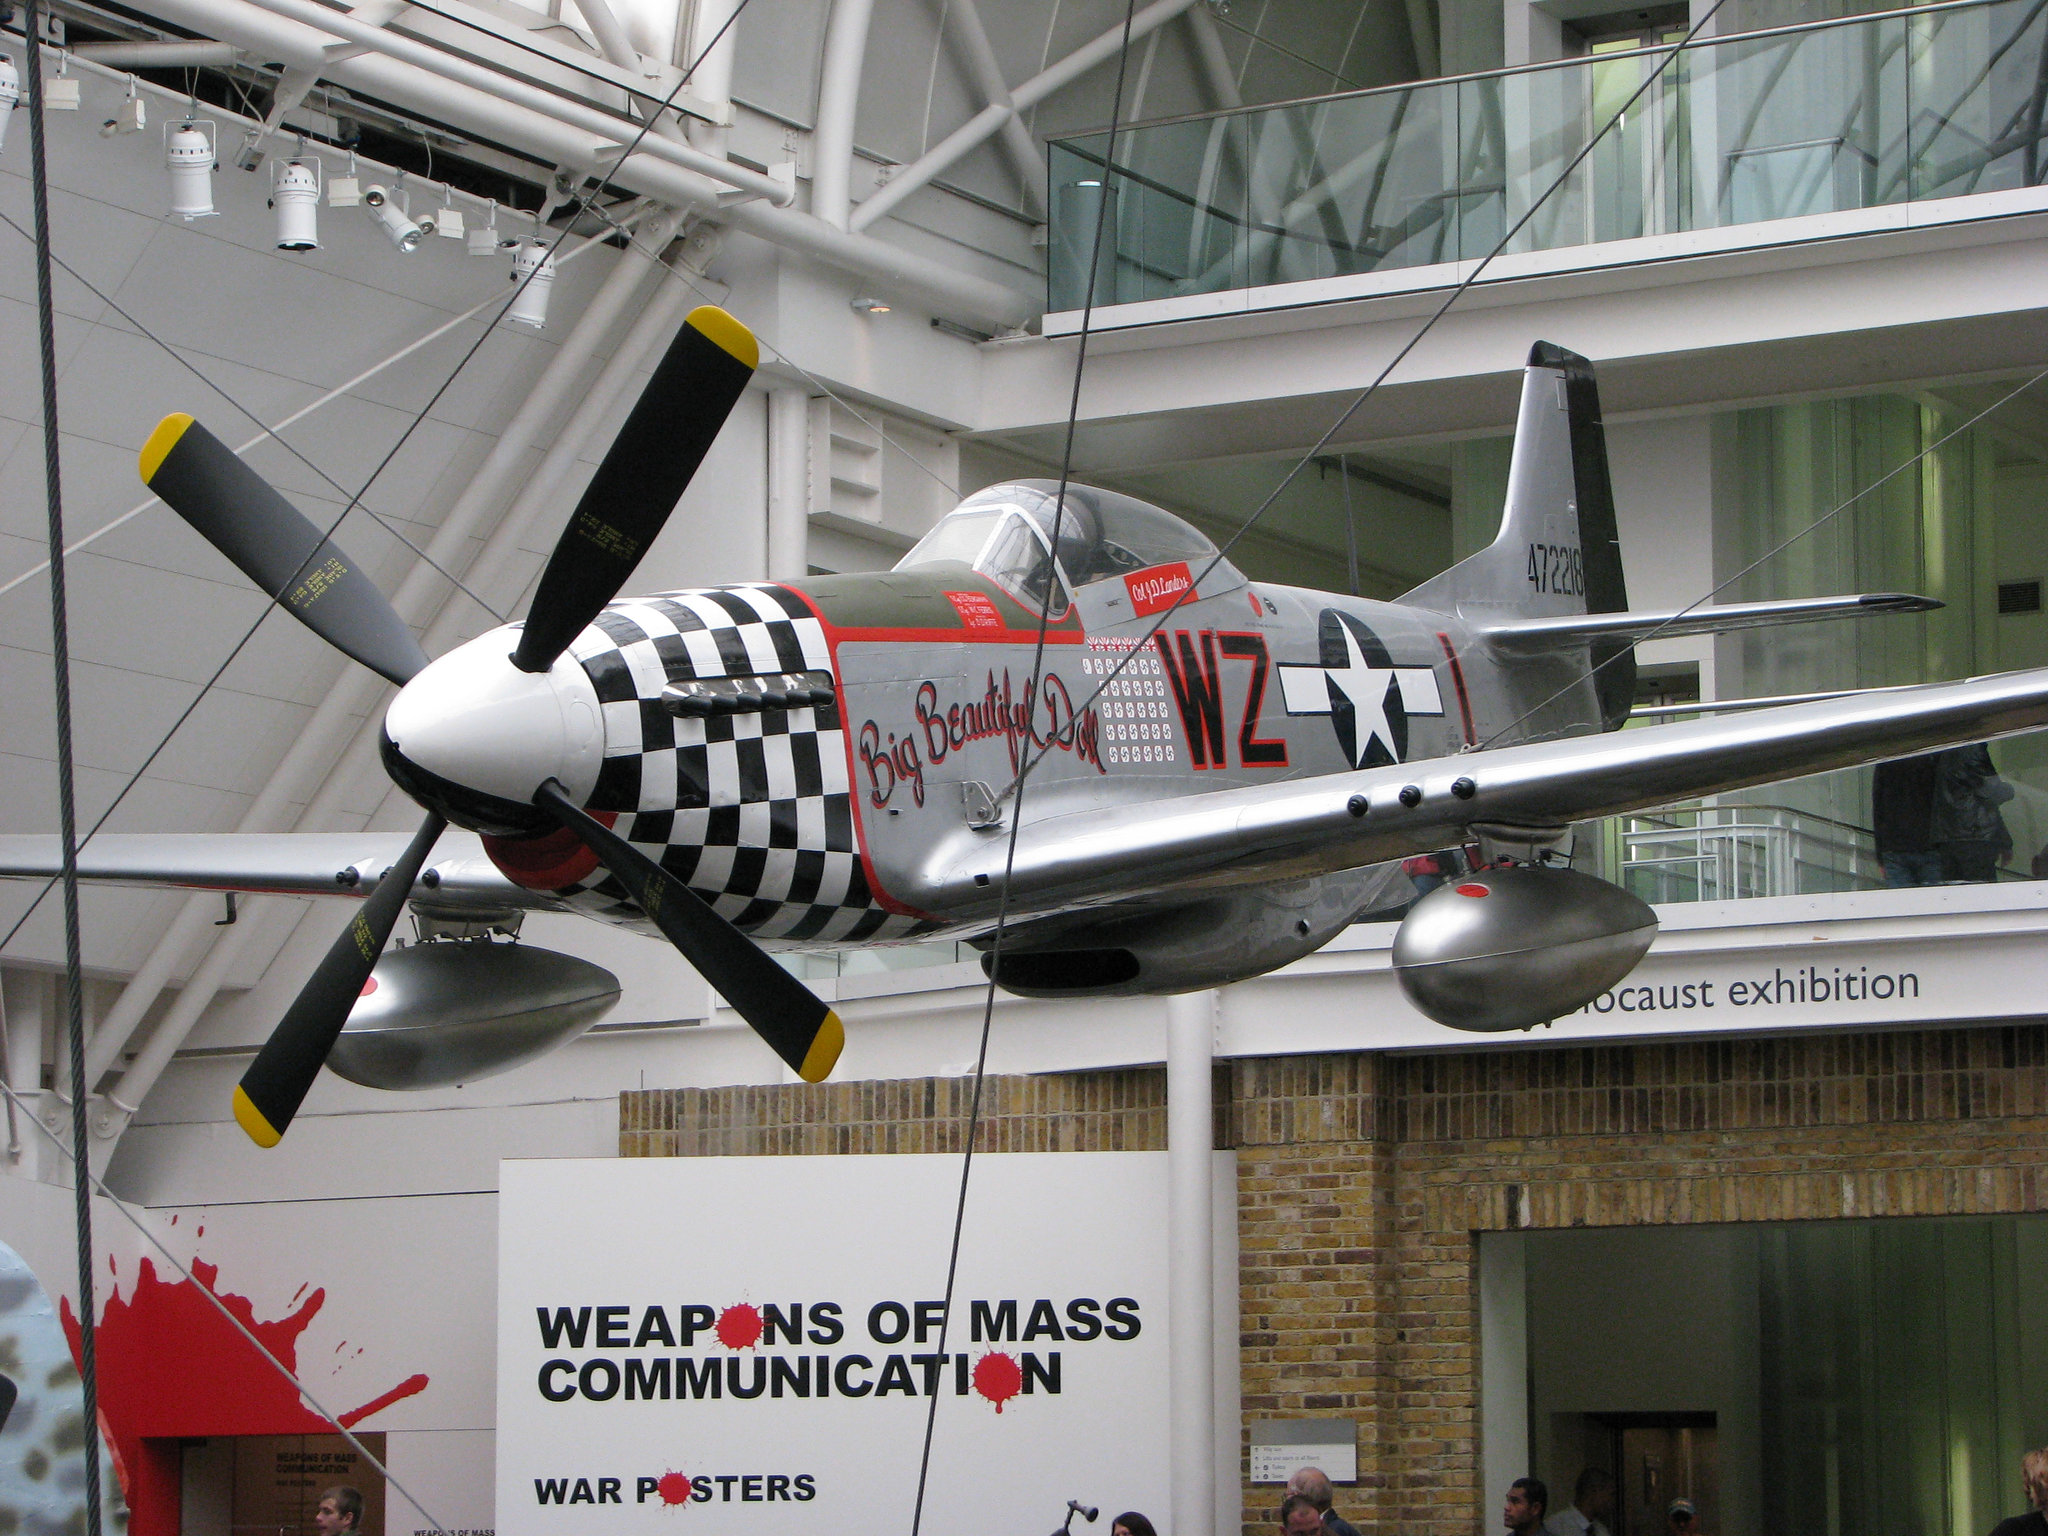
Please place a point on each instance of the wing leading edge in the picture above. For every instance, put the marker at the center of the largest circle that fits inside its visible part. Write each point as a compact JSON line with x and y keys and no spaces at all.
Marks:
{"x":1346,"y":820}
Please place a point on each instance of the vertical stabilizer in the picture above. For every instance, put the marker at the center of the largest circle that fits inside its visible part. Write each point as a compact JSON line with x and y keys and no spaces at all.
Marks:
{"x":1557,"y":552}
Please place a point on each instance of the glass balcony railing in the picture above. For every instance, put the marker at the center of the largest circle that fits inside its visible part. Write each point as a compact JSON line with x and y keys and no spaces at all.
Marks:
{"x":1939,"y":101}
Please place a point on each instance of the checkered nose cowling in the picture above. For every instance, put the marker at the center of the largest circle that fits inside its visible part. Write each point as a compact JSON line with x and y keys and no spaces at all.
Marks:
{"x":751,"y":807}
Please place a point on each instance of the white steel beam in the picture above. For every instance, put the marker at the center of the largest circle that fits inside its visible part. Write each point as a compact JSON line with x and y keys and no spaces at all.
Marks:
{"x":971,"y":39}
{"x":965,"y":139}
{"x":846,"y":47}
{"x":1191,"y":1261}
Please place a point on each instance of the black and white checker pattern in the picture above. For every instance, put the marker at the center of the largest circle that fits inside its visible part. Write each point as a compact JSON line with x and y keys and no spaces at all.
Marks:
{"x":752,"y":811}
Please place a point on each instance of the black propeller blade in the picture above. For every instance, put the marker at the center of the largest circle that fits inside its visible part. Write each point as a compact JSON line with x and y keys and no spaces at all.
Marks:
{"x":276,"y":1083}
{"x":642,"y":478}
{"x":200,"y":479}
{"x":783,"y":1011}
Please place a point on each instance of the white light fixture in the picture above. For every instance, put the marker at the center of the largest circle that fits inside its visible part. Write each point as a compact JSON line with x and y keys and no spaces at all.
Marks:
{"x":483,"y":238}
{"x":10,"y":93}
{"x":130,"y":117}
{"x":534,"y":270}
{"x":188,"y":153}
{"x":250,"y":156}
{"x":867,"y":306}
{"x":448,"y":217}
{"x":60,"y":91}
{"x":295,"y":194}
{"x":384,"y":208}
{"x":345,"y":191}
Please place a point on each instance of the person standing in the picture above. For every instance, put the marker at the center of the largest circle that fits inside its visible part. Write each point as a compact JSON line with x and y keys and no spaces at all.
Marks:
{"x":1313,"y":1484}
{"x":1527,"y":1502}
{"x":1902,"y":820}
{"x":1968,"y":831}
{"x":2034,"y":1478}
{"x":1591,"y":1511}
{"x":1299,"y":1517}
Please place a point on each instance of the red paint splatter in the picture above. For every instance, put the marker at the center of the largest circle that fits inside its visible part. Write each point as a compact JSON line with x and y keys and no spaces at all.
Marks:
{"x":674,"y":1488}
{"x":171,"y":1366}
{"x":739,"y":1327}
{"x":998,"y":1378}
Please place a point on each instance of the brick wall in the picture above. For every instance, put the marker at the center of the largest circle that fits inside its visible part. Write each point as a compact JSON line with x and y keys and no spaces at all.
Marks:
{"x":1364,"y":1180}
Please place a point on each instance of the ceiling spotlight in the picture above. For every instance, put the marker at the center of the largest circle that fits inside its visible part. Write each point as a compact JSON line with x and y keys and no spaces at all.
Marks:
{"x":868,"y":306}
{"x":250,"y":155}
{"x":188,"y":152}
{"x":130,"y":117}
{"x":60,"y":91}
{"x":384,"y":208}
{"x":483,"y":238}
{"x":10,"y":93}
{"x":533,"y":269}
{"x":345,"y":191}
{"x":448,"y":217}
{"x":295,"y":194}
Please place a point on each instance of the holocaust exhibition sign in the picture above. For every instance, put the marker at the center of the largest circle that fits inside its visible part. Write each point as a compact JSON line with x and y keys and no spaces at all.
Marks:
{"x":754,"y":1343}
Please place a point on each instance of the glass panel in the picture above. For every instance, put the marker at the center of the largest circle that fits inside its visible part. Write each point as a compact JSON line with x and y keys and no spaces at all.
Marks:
{"x":958,"y":537}
{"x":1857,"y":113}
{"x":1018,"y":560}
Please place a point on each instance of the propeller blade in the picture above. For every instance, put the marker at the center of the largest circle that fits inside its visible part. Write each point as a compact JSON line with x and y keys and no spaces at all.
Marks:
{"x":783,"y":1011}
{"x":642,"y":478}
{"x":276,"y":1083}
{"x":235,"y":509}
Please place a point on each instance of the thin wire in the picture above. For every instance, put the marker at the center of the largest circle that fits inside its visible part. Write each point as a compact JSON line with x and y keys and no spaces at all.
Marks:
{"x":14,"y":1101}
{"x":1187,"y":594}
{"x":1104,"y":209}
{"x":67,"y":808}
{"x":1770,"y":554}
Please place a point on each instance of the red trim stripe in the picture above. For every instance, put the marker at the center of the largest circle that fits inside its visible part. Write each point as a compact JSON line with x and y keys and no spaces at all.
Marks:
{"x":1458,"y":682}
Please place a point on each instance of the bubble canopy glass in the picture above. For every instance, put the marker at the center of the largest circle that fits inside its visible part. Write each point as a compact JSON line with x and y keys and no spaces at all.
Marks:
{"x":1006,"y":533}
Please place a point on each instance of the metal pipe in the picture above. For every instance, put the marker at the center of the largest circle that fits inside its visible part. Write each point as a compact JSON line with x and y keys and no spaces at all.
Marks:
{"x":612,"y":41}
{"x":491,"y":82}
{"x":125,"y":1098}
{"x":1191,"y":1261}
{"x":979,"y":56}
{"x":789,"y":483}
{"x":963,"y":140}
{"x":712,"y":82}
{"x":152,"y":55}
{"x":846,"y":48}
{"x":355,"y":691}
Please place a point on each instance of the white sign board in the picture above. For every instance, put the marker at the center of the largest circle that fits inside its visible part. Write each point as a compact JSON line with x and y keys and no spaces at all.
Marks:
{"x":753,"y":1343}
{"x":1282,"y":1447}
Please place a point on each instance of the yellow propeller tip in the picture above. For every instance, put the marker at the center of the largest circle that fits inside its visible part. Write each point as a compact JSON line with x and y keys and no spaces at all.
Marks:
{"x":248,"y":1116}
{"x":726,"y":333}
{"x":161,"y":442}
{"x":826,"y":1045}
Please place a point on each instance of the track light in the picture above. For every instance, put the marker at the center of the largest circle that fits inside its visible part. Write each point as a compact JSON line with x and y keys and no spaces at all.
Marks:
{"x":345,"y":191}
{"x":60,"y":91}
{"x":448,"y":217}
{"x":384,"y":208}
{"x":250,"y":156}
{"x":867,"y":306}
{"x":188,"y":153}
{"x":295,"y":194}
{"x":483,"y":238}
{"x":130,"y":117}
{"x":10,"y":93}
{"x":533,"y":269}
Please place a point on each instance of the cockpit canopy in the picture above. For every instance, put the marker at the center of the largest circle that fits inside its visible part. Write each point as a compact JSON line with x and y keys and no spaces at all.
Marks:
{"x":1007,"y":533}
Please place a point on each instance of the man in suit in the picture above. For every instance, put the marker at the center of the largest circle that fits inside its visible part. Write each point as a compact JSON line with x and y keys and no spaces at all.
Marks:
{"x":1313,"y":1484}
{"x":2034,"y":1477}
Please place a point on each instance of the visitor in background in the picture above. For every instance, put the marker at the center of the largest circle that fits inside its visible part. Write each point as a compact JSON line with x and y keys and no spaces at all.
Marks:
{"x":1591,"y":1511}
{"x":1300,"y":1517}
{"x":1313,"y":1484}
{"x":1131,"y":1523}
{"x":340,"y":1511}
{"x":1902,"y":820}
{"x":2033,"y":1478}
{"x":1682,"y":1518}
{"x":1528,"y":1501}
{"x":1968,"y":831}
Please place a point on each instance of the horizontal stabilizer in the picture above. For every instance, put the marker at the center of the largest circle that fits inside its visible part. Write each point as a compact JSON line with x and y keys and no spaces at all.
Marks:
{"x":1525,"y":635}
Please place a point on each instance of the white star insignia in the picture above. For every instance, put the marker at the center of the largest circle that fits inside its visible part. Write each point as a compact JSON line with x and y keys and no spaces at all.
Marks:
{"x":1367,"y":689}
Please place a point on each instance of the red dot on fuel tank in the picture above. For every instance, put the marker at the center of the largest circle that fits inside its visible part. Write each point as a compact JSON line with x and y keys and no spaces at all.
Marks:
{"x":998,"y":1378}
{"x":674,"y":1488}
{"x":739,"y":1327}
{"x":369,"y":986}
{"x":1474,"y":890}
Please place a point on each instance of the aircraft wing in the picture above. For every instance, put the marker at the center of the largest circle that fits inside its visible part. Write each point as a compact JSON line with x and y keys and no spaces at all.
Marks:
{"x":279,"y":863}
{"x":1345,"y":820}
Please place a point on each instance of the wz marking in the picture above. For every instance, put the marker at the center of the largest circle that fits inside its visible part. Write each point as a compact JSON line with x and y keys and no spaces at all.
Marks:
{"x":1194,"y":669}
{"x":1557,"y":569}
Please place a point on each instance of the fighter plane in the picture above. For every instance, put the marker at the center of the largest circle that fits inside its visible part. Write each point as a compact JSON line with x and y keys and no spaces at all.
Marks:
{"x":1069,"y":713}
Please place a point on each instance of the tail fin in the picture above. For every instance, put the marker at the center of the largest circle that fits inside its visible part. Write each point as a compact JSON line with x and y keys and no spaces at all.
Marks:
{"x":1557,"y":553}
